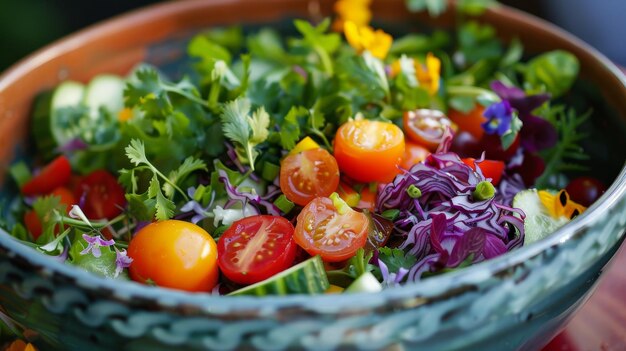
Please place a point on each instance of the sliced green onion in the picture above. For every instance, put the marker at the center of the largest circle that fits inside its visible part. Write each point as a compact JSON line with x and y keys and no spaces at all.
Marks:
{"x":413,"y":191}
{"x":391,"y":214}
{"x":484,"y":191}
{"x":20,"y":173}
{"x":270,"y":171}
{"x":284,"y":204}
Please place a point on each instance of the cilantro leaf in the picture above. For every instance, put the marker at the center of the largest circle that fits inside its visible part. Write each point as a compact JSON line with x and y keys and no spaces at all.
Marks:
{"x":244,"y":130}
{"x":396,"y":259}
{"x":290,"y":127}
{"x":259,"y":123}
{"x":164,"y":206}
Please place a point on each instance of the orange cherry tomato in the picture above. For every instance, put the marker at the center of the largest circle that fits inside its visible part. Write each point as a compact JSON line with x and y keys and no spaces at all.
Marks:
{"x":174,"y":254}
{"x":369,"y":151}
{"x":322,"y":230}
{"x":414,"y":154}
{"x":491,"y":168}
{"x":348,"y":194}
{"x":307,"y":175}
{"x":470,"y":122}
{"x":426,"y":127}
{"x":255,"y":248}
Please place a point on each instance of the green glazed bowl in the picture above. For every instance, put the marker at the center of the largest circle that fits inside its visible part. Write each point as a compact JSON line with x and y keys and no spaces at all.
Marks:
{"x":517,"y":301}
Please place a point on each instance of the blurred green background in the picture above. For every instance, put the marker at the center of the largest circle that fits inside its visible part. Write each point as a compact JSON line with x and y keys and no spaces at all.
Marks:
{"x":27,"y":25}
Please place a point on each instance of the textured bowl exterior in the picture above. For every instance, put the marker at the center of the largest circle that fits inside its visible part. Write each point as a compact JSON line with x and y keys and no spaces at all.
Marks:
{"x":517,"y":301}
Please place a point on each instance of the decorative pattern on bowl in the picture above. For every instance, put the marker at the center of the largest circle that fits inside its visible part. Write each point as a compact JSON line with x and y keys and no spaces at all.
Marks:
{"x":517,"y":301}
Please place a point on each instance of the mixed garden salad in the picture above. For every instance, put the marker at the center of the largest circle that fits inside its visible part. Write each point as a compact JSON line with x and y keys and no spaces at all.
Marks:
{"x":335,"y":158}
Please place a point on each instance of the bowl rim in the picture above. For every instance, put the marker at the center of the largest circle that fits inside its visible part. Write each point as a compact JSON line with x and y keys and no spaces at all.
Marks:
{"x":126,"y":290}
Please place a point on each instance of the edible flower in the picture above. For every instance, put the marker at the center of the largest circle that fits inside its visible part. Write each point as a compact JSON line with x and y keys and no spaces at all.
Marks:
{"x":362,"y":38}
{"x":356,"y":11}
{"x":94,"y":244}
{"x":537,"y":134}
{"x":500,"y":115}
{"x":429,"y":73}
{"x":20,"y":345}
{"x":121,"y":261}
{"x":560,"y":205}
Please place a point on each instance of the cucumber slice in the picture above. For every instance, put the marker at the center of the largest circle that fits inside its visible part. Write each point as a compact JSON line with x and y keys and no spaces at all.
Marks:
{"x":64,"y":110}
{"x":67,"y":94}
{"x":106,"y":91}
{"x":366,"y":282}
{"x":538,"y":223}
{"x":308,"y":277}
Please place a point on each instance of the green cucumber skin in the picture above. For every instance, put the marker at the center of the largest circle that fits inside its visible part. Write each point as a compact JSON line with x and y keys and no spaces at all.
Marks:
{"x":44,"y":140}
{"x":309,"y":278}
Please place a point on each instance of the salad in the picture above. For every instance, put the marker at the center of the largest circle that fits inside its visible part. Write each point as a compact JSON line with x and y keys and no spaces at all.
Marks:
{"x":332,"y":158}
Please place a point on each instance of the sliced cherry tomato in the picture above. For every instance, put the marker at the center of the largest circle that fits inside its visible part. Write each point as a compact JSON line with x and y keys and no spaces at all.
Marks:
{"x":33,"y":224}
{"x":322,"y":230}
{"x":585,"y":190}
{"x":369,"y":151}
{"x":413,"y":155}
{"x":490,"y":168}
{"x":426,"y":127}
{"x":174,"y":254}
{"x":55,"y":174}
{"x":471,"y":121}
{"x":308,"y":174}
{"x":100,"y":195}
{"x":255,"y":248}
{"x":32,"y":221}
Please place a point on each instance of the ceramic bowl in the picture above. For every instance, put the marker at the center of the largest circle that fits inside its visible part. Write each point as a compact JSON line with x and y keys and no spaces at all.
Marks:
{"x":517,"y":301}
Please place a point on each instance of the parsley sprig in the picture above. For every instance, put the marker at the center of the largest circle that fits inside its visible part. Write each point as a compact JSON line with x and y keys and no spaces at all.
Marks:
{"x":244,"y":129}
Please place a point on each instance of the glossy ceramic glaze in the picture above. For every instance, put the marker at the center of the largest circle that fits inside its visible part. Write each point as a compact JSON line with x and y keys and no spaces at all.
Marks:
{"x":517,"y":301}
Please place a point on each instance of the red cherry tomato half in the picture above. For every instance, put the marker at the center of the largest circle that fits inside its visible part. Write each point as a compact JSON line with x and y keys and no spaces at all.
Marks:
{"x":322,"y":230}
{"x":308,"y":174}
{"x":57,"y":173}
{"x":490,"y":168}
{"x":32,"y":221}
{"x":369,"y":151}
{"x":255,"y":248}
{"x":426,"y":127}
{"x":585,"y":190}
{"x":100,"y":195}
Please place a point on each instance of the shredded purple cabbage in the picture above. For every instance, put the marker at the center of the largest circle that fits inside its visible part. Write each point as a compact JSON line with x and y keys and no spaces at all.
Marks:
{"x":445,"y":227}
{"x":236,"y":196}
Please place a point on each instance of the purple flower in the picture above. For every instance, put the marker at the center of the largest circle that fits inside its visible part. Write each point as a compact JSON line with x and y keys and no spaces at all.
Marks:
{"x":94,"y":244}
{"x":537,"y":134}
{"x":524,"y":104}
{"x":500,"y":115}
{"x":121,"y":261}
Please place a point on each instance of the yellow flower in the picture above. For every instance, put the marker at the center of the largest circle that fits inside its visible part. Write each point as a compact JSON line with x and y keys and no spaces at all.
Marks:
{"x":429,"y":74}
{"x":376,"y":42}
{"x":560,"y":205}
{"x":125,"y":114}
{"x":20,"y":345}
{"x":356,"y":11}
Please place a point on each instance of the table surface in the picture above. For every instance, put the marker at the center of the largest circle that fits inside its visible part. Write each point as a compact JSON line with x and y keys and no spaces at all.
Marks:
{"x":601,"y":322}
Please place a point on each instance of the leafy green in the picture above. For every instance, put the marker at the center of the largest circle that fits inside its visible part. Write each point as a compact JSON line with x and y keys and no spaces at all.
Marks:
{"x":244,"y":130}
{"x":319,"y":41}
{"x":103,"y":265}
{"x":553,"y":71}
{"x":161,"y":197}
{"x":395,"y":259}
{"x":567,"y":154}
